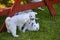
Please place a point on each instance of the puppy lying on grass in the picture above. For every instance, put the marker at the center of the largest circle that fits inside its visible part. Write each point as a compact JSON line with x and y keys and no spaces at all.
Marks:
{"x":18,"y":20}
{"x":31,"y":26}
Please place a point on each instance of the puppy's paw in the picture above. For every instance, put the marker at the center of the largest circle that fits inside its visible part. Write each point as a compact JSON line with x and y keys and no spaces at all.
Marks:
{"x":16,"y":35}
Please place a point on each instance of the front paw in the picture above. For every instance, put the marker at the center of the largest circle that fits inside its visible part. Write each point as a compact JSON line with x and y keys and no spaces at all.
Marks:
{"x":16,"y":35}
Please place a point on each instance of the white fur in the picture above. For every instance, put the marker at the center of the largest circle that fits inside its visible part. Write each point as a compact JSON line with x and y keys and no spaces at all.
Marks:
{"x":31,"y":26}
{"x":18,"y":20}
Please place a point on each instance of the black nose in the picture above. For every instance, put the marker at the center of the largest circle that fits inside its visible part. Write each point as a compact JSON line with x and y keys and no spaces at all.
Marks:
{"x":32,"y":18}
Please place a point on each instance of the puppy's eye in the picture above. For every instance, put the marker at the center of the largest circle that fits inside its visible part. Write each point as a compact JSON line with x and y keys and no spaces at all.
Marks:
{"x":31,"y":16}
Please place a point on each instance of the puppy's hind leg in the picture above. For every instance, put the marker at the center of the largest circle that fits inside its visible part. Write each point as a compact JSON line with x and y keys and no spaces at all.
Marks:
{"x":13,"y":31}
{"x":7,"y":26}
{"x":14,"y":34}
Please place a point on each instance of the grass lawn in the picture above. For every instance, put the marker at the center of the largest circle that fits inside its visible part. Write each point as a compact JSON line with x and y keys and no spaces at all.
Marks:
{"x":49,"y":27}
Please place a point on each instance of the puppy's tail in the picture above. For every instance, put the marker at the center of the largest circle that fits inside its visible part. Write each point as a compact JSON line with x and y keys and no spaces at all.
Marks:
{"x":7,"y":20}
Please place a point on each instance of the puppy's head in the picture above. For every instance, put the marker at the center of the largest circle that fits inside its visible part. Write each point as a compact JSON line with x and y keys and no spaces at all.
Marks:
{"x":32,"y":15}
{"x":36,"y":27}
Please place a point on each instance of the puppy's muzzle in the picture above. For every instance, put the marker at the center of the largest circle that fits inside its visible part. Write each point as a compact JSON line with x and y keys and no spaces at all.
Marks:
{"x":32,"y":18}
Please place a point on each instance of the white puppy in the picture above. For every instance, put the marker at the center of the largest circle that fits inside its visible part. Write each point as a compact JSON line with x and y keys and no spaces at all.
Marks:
{"x":38,"y":1}
{"x":31,"y":26}
{"x":18,"y":20}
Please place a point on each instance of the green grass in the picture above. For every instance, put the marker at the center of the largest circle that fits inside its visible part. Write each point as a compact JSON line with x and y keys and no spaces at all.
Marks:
{"x":49,"y":27}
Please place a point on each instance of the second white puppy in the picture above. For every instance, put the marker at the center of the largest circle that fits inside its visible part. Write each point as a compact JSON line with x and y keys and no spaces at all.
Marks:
{"x":31,"y":26}
{"x":18,"y":20}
